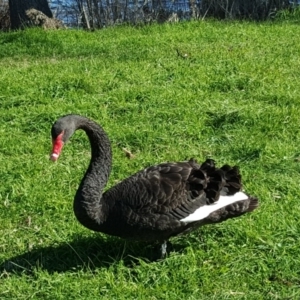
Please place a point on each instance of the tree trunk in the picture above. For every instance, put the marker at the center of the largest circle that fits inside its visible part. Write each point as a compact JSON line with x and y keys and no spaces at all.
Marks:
{"x":18,"y":17}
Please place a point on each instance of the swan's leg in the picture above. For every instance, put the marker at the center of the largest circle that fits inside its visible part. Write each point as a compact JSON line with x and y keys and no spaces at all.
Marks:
{"x":164,"y":249}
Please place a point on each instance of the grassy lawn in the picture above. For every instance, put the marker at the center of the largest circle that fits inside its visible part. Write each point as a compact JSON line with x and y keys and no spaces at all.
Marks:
{"x":225,"y":90}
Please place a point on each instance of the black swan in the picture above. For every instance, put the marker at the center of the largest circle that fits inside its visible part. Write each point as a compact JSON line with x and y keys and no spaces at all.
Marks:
{"x":156,"y":203}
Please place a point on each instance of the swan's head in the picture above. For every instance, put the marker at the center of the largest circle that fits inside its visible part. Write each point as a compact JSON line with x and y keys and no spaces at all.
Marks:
{"x":61,"y":131}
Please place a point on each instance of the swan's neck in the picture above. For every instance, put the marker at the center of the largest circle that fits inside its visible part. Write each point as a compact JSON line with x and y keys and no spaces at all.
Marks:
{"x":89,"y":208}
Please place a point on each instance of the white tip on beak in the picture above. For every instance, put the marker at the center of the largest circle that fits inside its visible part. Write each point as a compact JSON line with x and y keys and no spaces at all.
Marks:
{"x":54,"y":156}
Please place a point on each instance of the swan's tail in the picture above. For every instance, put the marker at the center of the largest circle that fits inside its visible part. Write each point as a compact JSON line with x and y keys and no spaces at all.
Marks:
{"x":226,"y":207}
{"x":253,"y":204}
{"x":225,"y":185}
{"x":232,"y":210}
{"x":224,"y":198}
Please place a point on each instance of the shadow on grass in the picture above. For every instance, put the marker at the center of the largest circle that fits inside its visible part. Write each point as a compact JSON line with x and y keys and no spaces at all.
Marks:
{"x":83,"y":254}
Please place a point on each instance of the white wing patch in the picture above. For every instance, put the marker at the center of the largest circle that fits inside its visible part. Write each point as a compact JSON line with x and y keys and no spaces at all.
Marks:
{"x":203,"y":211}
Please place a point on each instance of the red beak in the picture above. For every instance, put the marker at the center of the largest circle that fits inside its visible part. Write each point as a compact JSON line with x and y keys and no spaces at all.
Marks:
{"x":57,"y":146}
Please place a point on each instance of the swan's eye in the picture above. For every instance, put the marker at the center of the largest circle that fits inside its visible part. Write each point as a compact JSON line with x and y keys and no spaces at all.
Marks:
{"x":57,"y":145}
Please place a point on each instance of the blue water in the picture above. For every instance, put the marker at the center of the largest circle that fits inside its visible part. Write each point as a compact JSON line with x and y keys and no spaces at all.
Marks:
{"x":54,"y":4}
{"x":66,"y":4}
{"x":64,"y":9}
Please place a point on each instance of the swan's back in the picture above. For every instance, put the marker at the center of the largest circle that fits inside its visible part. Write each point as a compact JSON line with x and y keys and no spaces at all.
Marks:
{"x":171,"y":198}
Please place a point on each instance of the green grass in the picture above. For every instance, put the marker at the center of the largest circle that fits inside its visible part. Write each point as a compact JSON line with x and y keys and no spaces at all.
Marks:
{"x":235,"y":98}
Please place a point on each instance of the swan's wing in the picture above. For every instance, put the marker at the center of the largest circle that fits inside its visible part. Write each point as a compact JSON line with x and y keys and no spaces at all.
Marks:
{"x":170,"y":198}
{"x":179,"y":189}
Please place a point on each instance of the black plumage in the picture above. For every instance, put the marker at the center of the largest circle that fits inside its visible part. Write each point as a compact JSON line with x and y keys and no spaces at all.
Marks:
{"x":151,"y":204}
